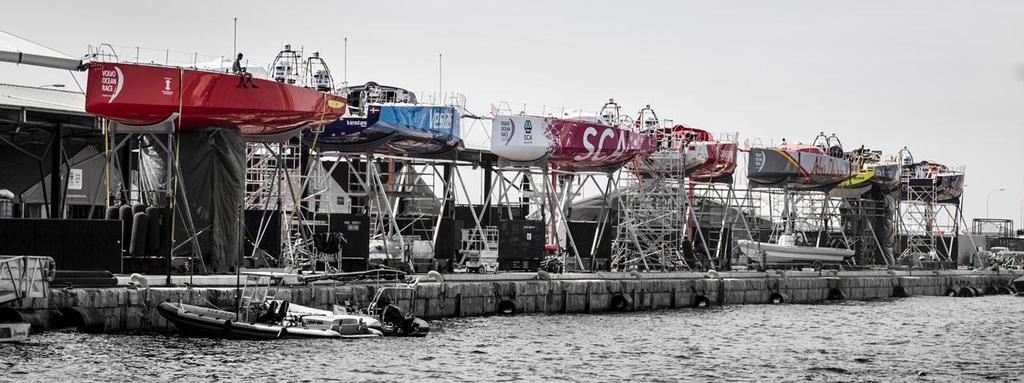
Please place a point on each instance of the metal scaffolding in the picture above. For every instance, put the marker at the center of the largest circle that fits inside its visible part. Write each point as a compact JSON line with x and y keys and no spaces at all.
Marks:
{"x":927,"y":227}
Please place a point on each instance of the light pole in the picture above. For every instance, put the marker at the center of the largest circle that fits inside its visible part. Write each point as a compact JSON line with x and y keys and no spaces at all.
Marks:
{"x":988,"y":198}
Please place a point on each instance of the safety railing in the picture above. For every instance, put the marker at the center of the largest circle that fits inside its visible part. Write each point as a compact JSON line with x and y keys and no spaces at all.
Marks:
{"x":25,"y":277}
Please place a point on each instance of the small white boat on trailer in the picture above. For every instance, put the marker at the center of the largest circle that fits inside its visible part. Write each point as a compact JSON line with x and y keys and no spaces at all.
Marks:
{"x":787,"y":251}
{"x":22,"y":277}
{"x":14,"y":332}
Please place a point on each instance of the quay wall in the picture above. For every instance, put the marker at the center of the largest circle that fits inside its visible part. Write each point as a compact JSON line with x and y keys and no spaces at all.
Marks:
{"x":133,"y":309}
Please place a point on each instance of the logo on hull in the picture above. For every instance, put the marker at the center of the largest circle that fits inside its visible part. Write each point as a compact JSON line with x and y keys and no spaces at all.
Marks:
{"x":506,"y":130}
{"x":167,"y":87}
{"x":111,"y":83}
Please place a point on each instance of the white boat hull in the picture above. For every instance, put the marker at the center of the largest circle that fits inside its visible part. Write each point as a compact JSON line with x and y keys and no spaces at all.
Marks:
{"x":763,"y":252}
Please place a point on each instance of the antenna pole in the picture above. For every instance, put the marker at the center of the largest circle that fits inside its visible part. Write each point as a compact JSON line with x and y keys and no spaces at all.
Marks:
{"x":439,"y":63}
{"x":345,"y":65}
{"x":234,"y":43}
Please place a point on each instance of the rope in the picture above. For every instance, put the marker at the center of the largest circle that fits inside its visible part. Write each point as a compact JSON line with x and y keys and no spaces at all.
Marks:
{"x":309,"y":158}
{"x":106,"y":167}
{"x":177,"y":150}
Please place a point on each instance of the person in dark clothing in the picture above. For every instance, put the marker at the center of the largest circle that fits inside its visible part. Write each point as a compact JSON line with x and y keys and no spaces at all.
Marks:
{"x":237,"y":66}
{"x":245,"y":78}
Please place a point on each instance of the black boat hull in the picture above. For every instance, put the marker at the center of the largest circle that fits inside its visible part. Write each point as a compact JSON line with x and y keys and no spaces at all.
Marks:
{"x":208,"y":326}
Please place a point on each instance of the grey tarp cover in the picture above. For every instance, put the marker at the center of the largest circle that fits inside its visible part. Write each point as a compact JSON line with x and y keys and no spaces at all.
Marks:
{"x":89,"y":186}
{"x":212,"y":166}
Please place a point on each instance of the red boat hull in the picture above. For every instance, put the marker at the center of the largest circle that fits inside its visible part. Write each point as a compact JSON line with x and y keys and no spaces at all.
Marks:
{"x":570,"y":145}
{"x":146,"y":94}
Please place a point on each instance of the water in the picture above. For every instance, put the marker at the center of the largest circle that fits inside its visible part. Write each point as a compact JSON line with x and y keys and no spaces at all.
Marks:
{"x":912,"y":339}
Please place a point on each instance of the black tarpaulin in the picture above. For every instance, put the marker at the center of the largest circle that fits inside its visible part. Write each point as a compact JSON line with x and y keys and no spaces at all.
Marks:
{"x":211,"y":164}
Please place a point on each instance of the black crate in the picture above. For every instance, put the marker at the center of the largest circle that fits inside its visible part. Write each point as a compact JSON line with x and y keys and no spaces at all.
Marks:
{"x":518,"y":264}
{"x":74,"y":244}
{"x":520,"y":239}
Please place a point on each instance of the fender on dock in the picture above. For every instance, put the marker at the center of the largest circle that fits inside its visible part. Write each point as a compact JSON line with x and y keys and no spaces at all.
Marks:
{"x":507,"y":307}
{"x":836,"y":294}
{"x":621,"y":302}
{"x":83,"y":319}
{"x":701,"y":301}
{"x":777,"y":298}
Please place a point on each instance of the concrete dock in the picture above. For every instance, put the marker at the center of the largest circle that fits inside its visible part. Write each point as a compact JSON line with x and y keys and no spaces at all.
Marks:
{"x":131,"y":308}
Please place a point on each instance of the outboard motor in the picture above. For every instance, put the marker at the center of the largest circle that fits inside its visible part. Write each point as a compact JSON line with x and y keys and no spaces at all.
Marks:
{"x":393,"y":317}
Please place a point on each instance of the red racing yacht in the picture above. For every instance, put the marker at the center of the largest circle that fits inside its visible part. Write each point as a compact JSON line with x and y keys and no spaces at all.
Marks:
{"x":146,"y":94}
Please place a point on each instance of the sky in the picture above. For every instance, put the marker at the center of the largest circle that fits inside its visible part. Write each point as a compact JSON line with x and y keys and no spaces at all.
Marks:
{"x":944,"y":78}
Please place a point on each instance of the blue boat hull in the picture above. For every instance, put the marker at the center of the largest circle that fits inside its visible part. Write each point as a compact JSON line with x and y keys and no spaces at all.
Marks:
{"x":406,"y":129}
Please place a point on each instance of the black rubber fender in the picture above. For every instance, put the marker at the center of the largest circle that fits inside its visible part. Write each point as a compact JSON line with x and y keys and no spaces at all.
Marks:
{"x":111,"y":213}
{"x":507,"y":307}
{"x":777,"y":298}
{"x":965,"y":291}
{"x":153,"y":232}
{"x":978,"y":292}
{"x":836,"y":294}
{"x":137,"y":245}
{"x":83,"y":319}
{"x":621,"y":303}
{"x":991,"y":290}
{"x":899,"y":292}
{"x":125,"y":215}
{"x":951,"y":292}
{"x":1005,"y":290}
{"x":1012,"y":290}
{"x":701,"y":301}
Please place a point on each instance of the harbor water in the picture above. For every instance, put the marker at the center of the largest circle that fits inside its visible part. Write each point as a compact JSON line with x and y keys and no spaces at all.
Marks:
{"x":908,"y":339}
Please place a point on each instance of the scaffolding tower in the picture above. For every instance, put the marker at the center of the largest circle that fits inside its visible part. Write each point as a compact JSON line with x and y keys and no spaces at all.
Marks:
{"x":927,"y":226}
{"x":651,"y":232}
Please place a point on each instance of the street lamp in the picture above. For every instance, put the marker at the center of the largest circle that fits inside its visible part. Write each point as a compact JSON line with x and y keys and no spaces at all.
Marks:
{"x":51,"y":86}
{"x":989,"y":197}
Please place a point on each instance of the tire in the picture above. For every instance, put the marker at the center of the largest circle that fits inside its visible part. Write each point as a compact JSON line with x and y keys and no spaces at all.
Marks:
{"x":776,"y":299}
{"x":818,"y":266}
{"x":836,"y":294}
{"x":701,"y":302}
{"x":620,"y":303}
{"x":507,"y":307}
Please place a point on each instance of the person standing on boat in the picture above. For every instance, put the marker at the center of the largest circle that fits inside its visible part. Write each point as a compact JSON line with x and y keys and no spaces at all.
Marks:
{"x":245,"y":77}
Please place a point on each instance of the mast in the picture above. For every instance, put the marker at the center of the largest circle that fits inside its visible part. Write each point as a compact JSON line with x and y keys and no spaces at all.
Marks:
{"x":439,"y":72}
{"x":345,"y":66}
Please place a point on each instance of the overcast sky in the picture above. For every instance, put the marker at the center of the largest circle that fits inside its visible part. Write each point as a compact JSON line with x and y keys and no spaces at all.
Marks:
{"x":945,"y":78}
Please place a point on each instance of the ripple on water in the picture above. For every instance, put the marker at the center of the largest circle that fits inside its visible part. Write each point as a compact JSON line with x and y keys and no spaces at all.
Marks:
{"x":931,"y":338}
